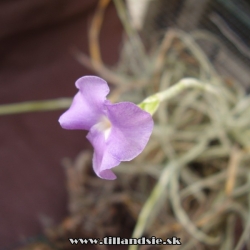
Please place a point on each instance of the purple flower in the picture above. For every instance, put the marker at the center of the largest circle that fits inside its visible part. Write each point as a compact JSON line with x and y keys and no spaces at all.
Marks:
{"x":118,"y":132}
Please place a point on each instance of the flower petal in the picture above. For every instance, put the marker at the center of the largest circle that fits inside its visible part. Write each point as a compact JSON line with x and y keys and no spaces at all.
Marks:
{"x":88,"y":104}
{"x":130,"y":132}
{"x":101,"y":168}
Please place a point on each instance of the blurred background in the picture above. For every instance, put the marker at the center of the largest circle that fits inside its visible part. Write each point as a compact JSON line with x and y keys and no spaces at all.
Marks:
{"x":45,"y":46}
{"x":37,"y":63}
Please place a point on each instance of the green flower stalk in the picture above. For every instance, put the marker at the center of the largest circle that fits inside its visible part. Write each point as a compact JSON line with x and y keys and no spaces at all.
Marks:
{"x":151,"y":103}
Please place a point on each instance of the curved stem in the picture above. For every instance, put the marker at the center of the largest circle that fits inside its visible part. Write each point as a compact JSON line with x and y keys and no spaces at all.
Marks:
{"x":151,"y":103}
{"x":185,"y":84}
{"x":95,"y":31}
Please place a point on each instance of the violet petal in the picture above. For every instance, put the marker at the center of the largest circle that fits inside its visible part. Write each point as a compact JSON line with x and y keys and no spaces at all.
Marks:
{"x":97,"y":139}
{"x":131,"y":128}
{"x":87,"y":106}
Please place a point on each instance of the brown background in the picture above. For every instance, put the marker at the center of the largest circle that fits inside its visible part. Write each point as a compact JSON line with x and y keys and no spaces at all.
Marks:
{"x":36,"y":64}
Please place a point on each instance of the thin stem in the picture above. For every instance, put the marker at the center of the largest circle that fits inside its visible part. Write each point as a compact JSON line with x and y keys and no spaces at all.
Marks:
{"x":152,"y":201}
{"x":23,"y":107}
{"x":183,"y":217}
{"x":185,"y":84}
{"x":160,"y":189}
{"x":122,"y":13}
{"x":135,"y":40}
{"x":245,"y":235}
{"x":94,"y":32}
{"x":151,"y":103}
{"x":190,"y":43}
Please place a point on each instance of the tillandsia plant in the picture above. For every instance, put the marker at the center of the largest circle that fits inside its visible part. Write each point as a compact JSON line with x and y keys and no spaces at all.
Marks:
{"x":118,"y":132}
